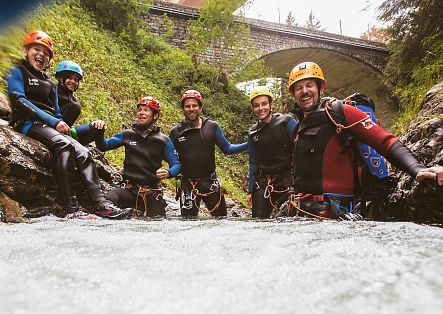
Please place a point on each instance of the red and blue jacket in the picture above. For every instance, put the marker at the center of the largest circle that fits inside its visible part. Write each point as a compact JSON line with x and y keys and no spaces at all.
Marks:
{"x":321,"y":166}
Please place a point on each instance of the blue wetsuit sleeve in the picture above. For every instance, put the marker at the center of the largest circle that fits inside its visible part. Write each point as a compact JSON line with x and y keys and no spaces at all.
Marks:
{"x":291,"y":126}
{"x":227,"y":147}
{"x":58,"y":115}
{"x":252,"y":165}
{"x":171,"y":158}
{"x":104,"y":144}
{"x":16,"y":86}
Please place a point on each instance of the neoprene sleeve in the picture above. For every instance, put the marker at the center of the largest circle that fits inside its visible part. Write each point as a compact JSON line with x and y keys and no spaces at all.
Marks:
{"x":401,"y":157}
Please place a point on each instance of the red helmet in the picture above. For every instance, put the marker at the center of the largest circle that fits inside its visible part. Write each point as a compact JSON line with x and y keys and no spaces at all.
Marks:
{"x":192,"y":94}
{"x":40,"y":38}
{"x":151,"y":102}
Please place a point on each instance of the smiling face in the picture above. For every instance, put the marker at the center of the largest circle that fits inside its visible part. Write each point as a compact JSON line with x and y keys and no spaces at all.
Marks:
{"x":72,"y":82}
{"x":38,"y":56}
{"x":307,"y":95}
{"x":191,"y":110}
{"x":261,"y":107}
{"x":146,"y":116}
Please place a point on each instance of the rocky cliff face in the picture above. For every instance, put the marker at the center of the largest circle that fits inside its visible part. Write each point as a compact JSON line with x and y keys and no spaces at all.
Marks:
{"x":26,"y":180}
{"x":28,"y":188}
{"x":421,"y":202}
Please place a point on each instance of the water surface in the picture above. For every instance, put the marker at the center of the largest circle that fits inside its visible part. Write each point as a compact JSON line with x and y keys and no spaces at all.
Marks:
{"x":220,"y":266}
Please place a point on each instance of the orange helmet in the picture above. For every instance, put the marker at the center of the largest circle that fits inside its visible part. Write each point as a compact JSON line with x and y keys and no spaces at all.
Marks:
{"x":192,"y":94}
{"x":151,"y":102}
{"x":305,"y":70}
{"x":40,"y":38}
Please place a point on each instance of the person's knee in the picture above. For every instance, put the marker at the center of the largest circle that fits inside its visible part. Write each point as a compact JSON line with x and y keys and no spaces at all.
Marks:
{"x":82,"y":155}
{"x":61,"y":143}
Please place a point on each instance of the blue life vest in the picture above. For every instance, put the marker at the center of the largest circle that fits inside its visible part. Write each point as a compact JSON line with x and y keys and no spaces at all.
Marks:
{"x":374,"y":161}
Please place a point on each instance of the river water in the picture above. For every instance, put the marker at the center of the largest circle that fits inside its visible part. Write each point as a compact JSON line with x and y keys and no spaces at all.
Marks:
{"x":53,"y":265}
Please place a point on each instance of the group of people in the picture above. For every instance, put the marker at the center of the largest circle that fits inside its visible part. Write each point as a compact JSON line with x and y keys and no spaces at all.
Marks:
{"x":296,"y":164}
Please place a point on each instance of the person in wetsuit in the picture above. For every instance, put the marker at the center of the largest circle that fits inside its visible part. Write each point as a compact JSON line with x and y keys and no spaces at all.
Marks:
{"x":270,"y":153}
{"x":195,"y":138}
{"x":69,"y":75}
{"x":324,"y":172}
{"x":145,"y":148}
{"x":35,"y":113}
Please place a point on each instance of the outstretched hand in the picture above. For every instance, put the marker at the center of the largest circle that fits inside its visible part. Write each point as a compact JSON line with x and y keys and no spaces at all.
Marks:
{"x":99,"y":124}
{"x":435,"y":172}
{"x":62,"y":127}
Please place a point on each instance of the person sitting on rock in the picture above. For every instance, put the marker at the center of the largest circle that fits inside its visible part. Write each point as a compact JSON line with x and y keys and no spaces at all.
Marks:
{"x":35,"y":113}
{"x":69,"y":75}
{"x":145,"y":148}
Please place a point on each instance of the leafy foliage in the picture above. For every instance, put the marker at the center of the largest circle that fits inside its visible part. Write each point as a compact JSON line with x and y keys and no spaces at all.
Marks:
{"x":123,"y":64}
{"x":416,"y":28}
{"x":218,"y":27}
{"x":313,"y":23}
{"x":120,"y":16}
{"x":416,"y":60}
{"x":290,"y":19}
{"x":376,"y":34}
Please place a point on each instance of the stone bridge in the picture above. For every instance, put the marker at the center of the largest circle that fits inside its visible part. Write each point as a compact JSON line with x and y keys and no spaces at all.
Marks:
{"x":349,"y":64}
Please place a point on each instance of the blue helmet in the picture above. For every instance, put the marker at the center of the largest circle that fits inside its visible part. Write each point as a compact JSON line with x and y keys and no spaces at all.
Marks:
{"x":68,"y":65}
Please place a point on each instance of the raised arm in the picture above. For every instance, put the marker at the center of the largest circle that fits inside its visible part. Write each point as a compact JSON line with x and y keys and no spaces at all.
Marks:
{"x":16,"y":90}
{"x":227,"y":147}
{"x":104,"y":144}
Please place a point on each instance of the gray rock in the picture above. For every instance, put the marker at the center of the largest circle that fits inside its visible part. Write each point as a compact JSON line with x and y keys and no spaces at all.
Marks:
{"x":421,"y":202}
{"x":26,"y":175}
{"x":10,"y":210}
{"x":5,"y":107}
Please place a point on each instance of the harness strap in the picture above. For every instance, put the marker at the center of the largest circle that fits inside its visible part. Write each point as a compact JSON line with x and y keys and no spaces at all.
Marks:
{"x":338,"y":126}
{"x":195,"y":192}
{"x":294,"y":201}
{"x":269,"y":190}
{"x":143,"y":193}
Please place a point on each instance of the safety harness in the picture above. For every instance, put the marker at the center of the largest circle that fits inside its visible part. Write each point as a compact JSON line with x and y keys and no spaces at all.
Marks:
{"x":143,"y":193}
{"x":330,"y":202}
{"x":195,"y":192}
{"x":269,"y":189}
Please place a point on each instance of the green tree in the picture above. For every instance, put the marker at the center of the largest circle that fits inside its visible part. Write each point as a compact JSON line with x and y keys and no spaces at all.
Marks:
{"x":218,"y":28}
{"x":415,"y":28}
{"x":313,"y":23}
{"x":376,"y":34}
{"x":416,"y":51}
{"x":120,"y":16}
{"x":290,"y":19}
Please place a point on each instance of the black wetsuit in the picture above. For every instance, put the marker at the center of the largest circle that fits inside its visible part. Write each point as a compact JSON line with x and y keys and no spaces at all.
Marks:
{"x":36,"y":114}
{"x":196,"y":151}
{"x":270,"y":155}
{"x":144,"y":151}
{"x":70,"y":110}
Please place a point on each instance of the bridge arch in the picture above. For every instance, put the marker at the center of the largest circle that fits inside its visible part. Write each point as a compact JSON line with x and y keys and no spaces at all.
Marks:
{"x":344,"y":73}
{"x":350,"y":64}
